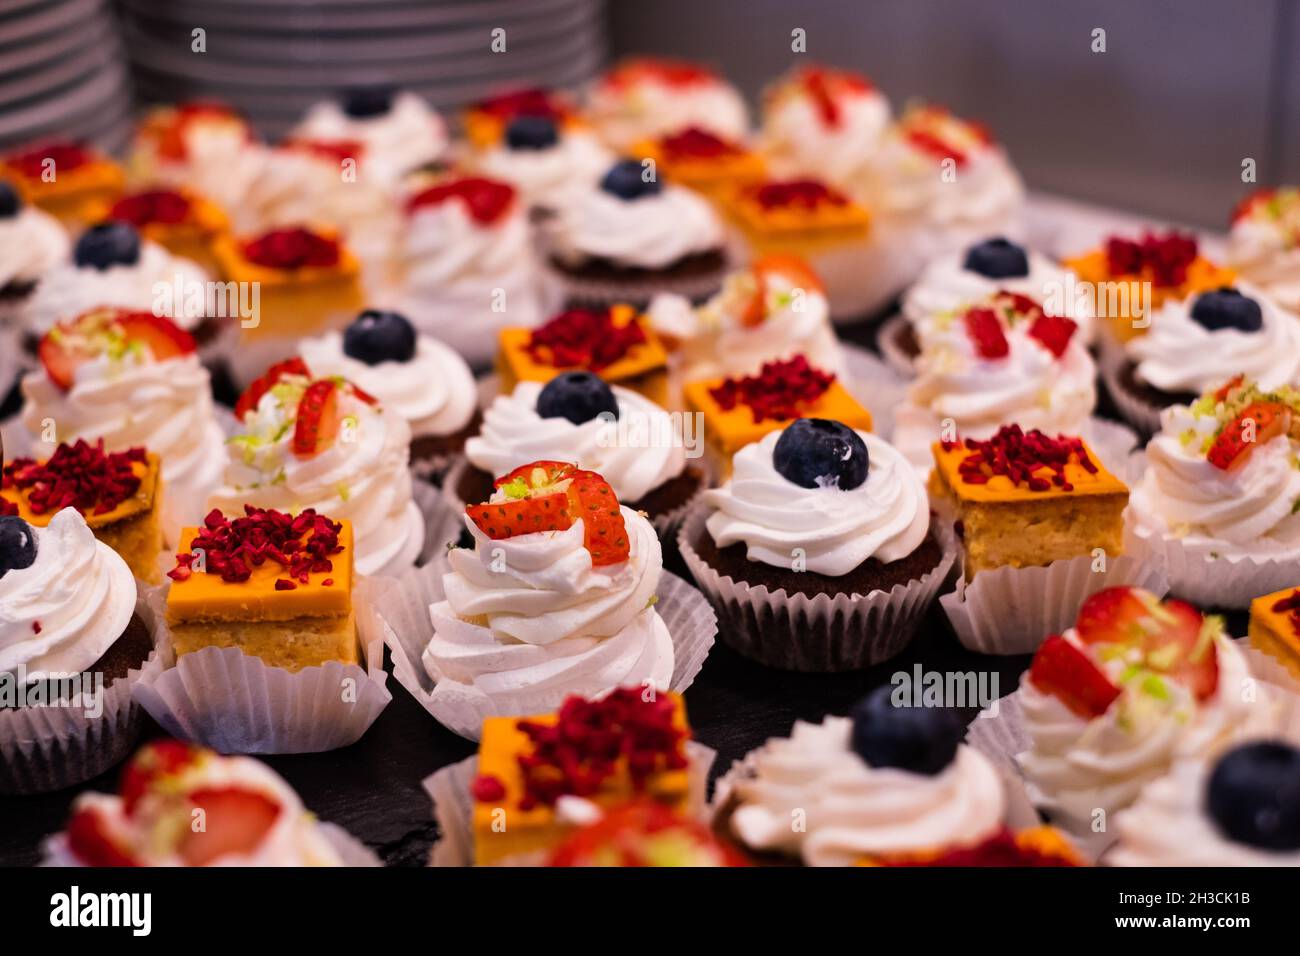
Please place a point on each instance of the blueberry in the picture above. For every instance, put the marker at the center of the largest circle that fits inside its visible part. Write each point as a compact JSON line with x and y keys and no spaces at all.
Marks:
{"x":108,"y":244}
{"x":577,"y":396}
{"x":918,"y":739}
{"x":997,"y":259}
{"x":815,"y":452}
{"x":17,"y":544}
{"x":1254,"y":795}
{"x":625,"y":181}
{"x":375,"y":336}
{"x":531,"y":132}
{"x":1227,"y":308}
{"x":365,"y":102}
{"x":10,"y":202}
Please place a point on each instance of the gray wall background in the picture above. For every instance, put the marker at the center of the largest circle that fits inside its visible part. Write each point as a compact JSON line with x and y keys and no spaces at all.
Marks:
{"x":1158,"y":124}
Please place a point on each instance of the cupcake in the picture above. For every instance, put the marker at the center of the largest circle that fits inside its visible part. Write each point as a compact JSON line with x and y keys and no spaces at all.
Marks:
{"x":59,"y":178}
{"x":1127,"y":279}
{"x":322,"y":443}
{"x":632,"y":442}
{"x":1218,"y":498}
{"x":818,"y":552}
{"x":179,"y":220}
{"x":398,"y":131}
{"x":887,"y":785}
{"x":632,"y":236}
{"x":556,"y":597}
{"x":643,"y":98}
{"x":958,"y":278}
{"x":416,"y":376}
{"x":72,"y":646}
{"x":466,"y":264}
{"x":486,"y":120}
{"x":1133,"y":687}
{"x":773,"y":310}
{"x":1190,"y":346}
{"x":111,"y":266}
{"x":203,"y":146}
{"x":823,"y":123}
{"x":32,"y":243}
{"x":1264,"y":244}
{"x":130,"y":379}
{"x":120,"y":494}
{"x":1002,"y":360}
{"x":251,"y":817}
{"x":549,"y":164}
{"x":1239,"y":810}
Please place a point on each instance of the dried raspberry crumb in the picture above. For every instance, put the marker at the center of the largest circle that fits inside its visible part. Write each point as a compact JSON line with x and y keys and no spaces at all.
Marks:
{"x":781,"y":390}
{"x":31,"y":164}
{"x":327,"y":583}
{"x":1163,"y":260}
{"x":80,"y":476}
{"x":300,"y":544}
{"x":487,"y":788}
{"x":696,"y":143}
{"x":36,"y":627}
{"x":284,"y":584}
{"x":292,"y":249}
{"x":532,"y":101}
{"x":1020,"y":455}
{"x":156,"y":205}
{"x":806,"y":193}
{"x":584,"y":338}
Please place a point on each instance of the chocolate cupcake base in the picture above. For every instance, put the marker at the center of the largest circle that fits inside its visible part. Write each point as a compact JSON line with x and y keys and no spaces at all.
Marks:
{"x":432,"y":455}
{"x":598,"y":283}
{"x":899,"y":345}
{"x":1138,"y":402}
{"x":813,"y":623}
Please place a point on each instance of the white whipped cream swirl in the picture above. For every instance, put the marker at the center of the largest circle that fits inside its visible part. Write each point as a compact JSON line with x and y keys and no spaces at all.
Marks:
{"x":31,"y":244}
{"x":629,"y":111}
{"x":411,"y":134}
{"x":553,"y":177}
{"x":1266,"y":252}
{"x":800,"y":142}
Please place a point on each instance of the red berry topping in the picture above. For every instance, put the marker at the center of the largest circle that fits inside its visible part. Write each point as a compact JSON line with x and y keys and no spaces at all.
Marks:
{"x":626,"y":835}
{"x":90,"y":842}
{"x":153,"y":763}
{"x":486,"y":199}
{"x":65,"y":347}
{"x":317,"y":420}
{"x":164,"y":206}
{"x":1254,"y":425}
{"x":80,"y":476}
{"x":487,"y":788}
{"x":301,"y":544}
{"x":659,"y":70}
{"x":696,"y":143}
{"x":803,"y":193}
{"x":32,"y":163}
{"x":296,"y":248}
{"x":1001,"y":849}
{"x":1022,"y":456}
{"x":584,"y":338}
{"x":532,"y":101}
{"x":334,"y":150}
{"x":782,"y":390}
{"x":1163,"y":260}
{"x":1067,"y":673}
{"x":1053,"y":332}
{"x":268,"y":380}
{"x":235,"y":821}
{"x":551,"y":496}
{"x":985,"y":331}
{"x":591,"y":739}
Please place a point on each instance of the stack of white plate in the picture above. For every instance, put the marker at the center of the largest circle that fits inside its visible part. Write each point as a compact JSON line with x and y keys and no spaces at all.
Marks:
{"x":274,"y":58}
{"x":63,"y":74}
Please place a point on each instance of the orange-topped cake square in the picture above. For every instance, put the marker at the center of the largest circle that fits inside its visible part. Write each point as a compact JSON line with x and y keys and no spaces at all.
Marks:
{"x":1024,"y":499}
{"x":180,"y":221}
{"x":485,"y":122}
{"x":794,"y":214}
{"x":61,"y":178}
{"x":1124,"y":273}
{"x":1275,"y":626}
{"x":740,"y":410}
{"x":601,"y":751}
{"x":276,"y":586}
{"x":702,"y":160}
{"x":308,"y":279}
{"x":616,"y":344}
{"x":119,"y":495}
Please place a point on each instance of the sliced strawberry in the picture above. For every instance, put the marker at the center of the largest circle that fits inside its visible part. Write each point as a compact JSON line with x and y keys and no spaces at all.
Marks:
{"x":153,"y":762}
{"x":815,"y":82}
{"x":164,"y":337}
{"x":1254,"y":425}
{"x":1221,"y":393}
{"x":1053,"y":331}
{"x":1068,"y":674}
{"x":985,"y":331}
{"x":509,"y":519}
{"x":1116,"y":616}
{"x":552,"y":472}
{"x":794,"y":269}
{"x":260,"y":386}
{"x":317,"y":422}
{"x":1184,"y":648}
{"x":234,"y":821}
{"x":89,"y":840}
{"x":605,"y":533}
{"x":59,"y":359}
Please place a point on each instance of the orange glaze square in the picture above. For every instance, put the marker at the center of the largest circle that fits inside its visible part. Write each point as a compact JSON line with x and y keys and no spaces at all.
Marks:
{"x":1000,"y":488}
{"x":234,"y":266}
{"x":515,"y":364}
{"x":1275,"y":632}
{"x":205,"y":597}
{"x":191,"y":239}
{"x":824,"y":221}
{"x":66,"y":195}
{"x":139,"y":503}
{"x":704,"y":173}
{"x":526,"y":831}
{"x":728,"y":431}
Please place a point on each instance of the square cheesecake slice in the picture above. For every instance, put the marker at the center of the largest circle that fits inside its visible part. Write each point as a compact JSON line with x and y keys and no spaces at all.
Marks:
{"x":276,"y":586}
{"x":617,"y":344}
{"x":1274,"y":627}
{"x":118,"y":493}
{"x":527,"y":765}
{"x":1023,"y":499}
{"x":740,"y":410}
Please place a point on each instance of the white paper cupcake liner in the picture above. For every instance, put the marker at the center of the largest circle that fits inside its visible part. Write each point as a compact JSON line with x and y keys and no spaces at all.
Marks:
{"x":887,"y":340}
{"x":1012,"y":610}
{"x":875,"y":385}
{"x":49,"y":748}
{"x":1196,"y":575}
{"x":234,"y":703}
{"x":453,"y":805}
{"x":406,"y":600}
{"x":817,"y":634}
